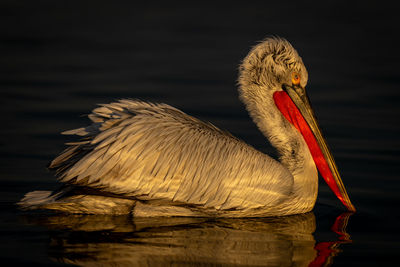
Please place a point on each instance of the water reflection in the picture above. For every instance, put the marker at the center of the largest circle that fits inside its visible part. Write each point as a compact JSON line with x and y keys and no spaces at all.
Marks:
{"x":108,"y":240}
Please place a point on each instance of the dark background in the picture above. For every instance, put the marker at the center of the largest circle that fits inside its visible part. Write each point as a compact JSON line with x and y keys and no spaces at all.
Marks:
{"x":61,"y":58}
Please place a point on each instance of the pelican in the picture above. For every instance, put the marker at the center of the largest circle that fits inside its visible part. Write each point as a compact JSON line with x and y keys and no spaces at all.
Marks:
{"x":149,"y":159}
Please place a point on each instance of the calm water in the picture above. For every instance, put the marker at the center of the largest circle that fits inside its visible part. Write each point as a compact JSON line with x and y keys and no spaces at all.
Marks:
{"x":59,"y":59}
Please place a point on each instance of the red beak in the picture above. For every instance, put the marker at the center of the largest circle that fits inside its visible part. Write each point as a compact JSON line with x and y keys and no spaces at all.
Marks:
{"x":293,"y":103}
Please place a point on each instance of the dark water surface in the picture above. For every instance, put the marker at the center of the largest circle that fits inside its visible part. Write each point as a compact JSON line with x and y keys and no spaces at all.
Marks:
{"x":60,"y":58}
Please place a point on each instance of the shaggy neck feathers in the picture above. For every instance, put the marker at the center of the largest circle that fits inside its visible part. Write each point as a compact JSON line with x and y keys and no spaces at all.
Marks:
{"x":262,"y":73}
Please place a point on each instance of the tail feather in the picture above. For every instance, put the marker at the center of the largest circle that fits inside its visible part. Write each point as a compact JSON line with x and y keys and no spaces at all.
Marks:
{"x":36,"y":199}
{"x":77,"y":204}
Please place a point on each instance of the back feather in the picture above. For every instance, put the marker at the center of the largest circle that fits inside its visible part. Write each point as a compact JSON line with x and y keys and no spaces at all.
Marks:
{"x":155,"y":151}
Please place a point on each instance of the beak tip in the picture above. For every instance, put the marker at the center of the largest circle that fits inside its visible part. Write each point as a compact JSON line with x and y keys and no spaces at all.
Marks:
{"x":351,"y":208}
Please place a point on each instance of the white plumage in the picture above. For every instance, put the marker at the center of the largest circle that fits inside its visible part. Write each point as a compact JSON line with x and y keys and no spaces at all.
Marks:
{"x":154,"y":160}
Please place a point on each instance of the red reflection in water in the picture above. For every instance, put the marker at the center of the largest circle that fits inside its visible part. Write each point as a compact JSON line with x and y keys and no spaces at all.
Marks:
{"x":327,"y":250}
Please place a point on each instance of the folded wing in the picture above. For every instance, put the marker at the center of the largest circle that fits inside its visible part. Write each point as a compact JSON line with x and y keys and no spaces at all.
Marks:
{"x":154,"y":151}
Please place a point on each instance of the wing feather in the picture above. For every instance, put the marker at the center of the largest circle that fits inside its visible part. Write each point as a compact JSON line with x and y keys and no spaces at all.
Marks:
{"x":155,"y":151}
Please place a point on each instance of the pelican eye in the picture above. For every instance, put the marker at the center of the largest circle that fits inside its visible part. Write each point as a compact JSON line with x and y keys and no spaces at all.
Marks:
{"x":295,"y":78}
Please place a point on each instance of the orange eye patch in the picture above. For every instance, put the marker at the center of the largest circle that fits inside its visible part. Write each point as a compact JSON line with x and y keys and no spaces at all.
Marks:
{"x":295,"y":78}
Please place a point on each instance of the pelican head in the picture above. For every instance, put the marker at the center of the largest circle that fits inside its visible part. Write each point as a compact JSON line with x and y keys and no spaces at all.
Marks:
{"x":272,"y":83}
{"x":271,"y":64}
